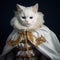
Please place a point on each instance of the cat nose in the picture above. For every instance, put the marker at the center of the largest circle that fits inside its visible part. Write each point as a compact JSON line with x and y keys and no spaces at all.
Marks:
{"x":26,"y":21}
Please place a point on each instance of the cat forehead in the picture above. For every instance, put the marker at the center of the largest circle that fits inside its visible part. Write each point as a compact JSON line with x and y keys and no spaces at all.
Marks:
{"x":28,"y":11}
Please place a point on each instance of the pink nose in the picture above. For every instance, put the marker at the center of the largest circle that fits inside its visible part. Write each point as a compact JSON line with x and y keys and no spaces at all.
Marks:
{"x":26,"y":21}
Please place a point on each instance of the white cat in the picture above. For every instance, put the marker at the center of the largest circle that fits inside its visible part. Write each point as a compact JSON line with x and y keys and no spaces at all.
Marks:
{"x":28,"y":18}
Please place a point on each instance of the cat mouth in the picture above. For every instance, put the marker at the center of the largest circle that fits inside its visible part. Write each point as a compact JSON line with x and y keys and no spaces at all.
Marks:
{"x":26,"y":24}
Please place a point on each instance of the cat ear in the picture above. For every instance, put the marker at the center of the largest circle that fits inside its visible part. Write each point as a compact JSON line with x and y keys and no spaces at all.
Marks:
{"x":20,"y":7}
{"x":35,"y":7}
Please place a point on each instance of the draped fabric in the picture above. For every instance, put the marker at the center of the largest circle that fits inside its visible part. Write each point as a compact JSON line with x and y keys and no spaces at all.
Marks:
{"x":28,"y":36}
{"x":43,"y":39}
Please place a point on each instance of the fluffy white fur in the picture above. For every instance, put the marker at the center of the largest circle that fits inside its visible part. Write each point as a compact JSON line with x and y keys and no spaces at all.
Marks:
{"x":32,"y":10}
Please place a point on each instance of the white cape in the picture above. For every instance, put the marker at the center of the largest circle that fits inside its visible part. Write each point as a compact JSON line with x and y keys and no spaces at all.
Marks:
{"x":50,"y":48}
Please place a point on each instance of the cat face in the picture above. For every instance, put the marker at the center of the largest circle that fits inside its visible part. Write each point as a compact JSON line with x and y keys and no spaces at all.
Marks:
{"x":27,"y":16}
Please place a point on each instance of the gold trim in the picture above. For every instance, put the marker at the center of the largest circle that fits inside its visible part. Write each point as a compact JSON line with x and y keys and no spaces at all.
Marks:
{"x":40,"y":40}
{"x":14,"y":43}
{"x":28,"y":36}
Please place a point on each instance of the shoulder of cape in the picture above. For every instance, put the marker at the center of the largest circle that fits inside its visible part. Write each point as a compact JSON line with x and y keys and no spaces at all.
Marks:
{"x":11,"y":34}
{"x":44,"y":28}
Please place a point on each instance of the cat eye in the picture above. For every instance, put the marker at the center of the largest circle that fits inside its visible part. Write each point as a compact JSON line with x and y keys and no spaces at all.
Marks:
{"x":23,"y":17}
{"x":31,"y":17}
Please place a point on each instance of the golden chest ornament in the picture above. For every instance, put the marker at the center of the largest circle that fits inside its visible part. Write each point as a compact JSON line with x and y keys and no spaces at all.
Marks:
{"x":27,"y":35}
